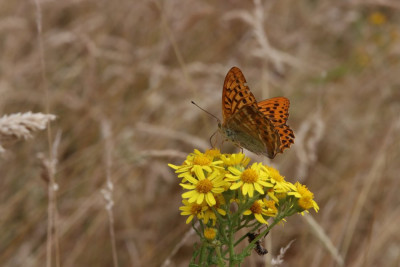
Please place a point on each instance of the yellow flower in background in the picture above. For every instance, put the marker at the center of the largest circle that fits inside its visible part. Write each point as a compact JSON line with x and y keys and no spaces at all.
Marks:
{"x":377,"y":18}
{"x":203,"y":188}
{"x":258,"y":210}
{"x":250,"y":179}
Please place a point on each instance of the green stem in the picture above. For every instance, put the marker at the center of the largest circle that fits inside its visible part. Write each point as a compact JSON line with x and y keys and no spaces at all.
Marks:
{"x":220,"y":260}
{"x":231,"y":243}
{"x":224,"y":238}
{"x":203,"y":255}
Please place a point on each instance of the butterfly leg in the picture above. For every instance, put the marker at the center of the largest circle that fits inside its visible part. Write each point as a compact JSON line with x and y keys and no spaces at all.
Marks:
{"x":211,"y":144}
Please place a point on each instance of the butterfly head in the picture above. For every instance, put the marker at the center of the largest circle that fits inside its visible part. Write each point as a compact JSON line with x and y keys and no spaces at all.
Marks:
{"x":228,"y":133}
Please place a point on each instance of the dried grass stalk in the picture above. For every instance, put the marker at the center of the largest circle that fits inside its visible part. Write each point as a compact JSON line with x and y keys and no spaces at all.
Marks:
{"x":21,"y":126}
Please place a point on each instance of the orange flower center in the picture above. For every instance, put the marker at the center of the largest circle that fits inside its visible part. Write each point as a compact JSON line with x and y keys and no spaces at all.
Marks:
{"x":196,"y":209}
{"x":201,"y":160}
{"x":271,"y":206}
{"x":204,"y":186}
{"x":212,"y":152}
{"x":210,"y":233}
{"x":305,"y":203}
{"x":275,"y":174}
{"x":249,"y":176}
{"x":256,"y":208}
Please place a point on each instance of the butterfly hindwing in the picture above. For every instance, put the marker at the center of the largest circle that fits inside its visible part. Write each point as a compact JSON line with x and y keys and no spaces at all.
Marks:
{"x":276,"y":109}
{"x":286,"y":136}
{"x":248,"y":128}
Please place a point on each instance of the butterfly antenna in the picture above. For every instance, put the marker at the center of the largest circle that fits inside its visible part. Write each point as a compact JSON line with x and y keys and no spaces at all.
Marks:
{"x":206,"y":112}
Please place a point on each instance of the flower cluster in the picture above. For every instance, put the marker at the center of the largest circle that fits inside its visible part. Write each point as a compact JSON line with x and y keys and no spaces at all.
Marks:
{"x":211,"y":178}
{"x":227,"y":194}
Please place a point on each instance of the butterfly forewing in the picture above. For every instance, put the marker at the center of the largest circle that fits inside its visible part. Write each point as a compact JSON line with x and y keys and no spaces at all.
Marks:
{"x":236,"y":93}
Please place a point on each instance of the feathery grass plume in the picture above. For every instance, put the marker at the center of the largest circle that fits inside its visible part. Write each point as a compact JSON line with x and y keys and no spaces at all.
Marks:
{"x":21,"y":126}
{"x":279,"y":259}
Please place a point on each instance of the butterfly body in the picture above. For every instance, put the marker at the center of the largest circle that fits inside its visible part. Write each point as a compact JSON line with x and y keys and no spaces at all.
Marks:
{"x":258,"y":127}
{"x":250,"y":135}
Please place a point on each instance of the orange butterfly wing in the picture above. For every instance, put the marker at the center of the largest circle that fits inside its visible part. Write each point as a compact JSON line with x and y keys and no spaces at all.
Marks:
{"x":244,"y":123}
{"x":235,"y":93}
{"x":277,"y":110}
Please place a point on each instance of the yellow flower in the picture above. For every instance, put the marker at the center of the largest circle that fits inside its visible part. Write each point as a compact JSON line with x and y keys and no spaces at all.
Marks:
{"x":280,"y":196}
{"x":209,"y":212}
{"x":196,"y":162}
{"x":280,"y":184}
{"x":253,"y":178}
{"x":235,"y":159}
{"x":258,"y":210}
{"x":305,"y":197}
{"x":213,"y":153}
{"x":273,"y":195}
{"x":377,"y":18}
{"x":210,"y":233}
{"x":271,"y":205}
{"x":192,"y":209}
{"x":203,"y":188}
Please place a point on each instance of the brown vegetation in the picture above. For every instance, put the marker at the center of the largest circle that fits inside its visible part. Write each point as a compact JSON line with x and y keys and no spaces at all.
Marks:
{"x":120,"y":75}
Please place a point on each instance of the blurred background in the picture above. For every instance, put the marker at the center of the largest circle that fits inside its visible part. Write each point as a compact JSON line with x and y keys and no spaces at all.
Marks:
{"x":120,"y":76}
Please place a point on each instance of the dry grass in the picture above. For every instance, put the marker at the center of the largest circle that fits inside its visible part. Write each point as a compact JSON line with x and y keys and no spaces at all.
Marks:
{"x":119,"y":75}
{"x":19,"y":126}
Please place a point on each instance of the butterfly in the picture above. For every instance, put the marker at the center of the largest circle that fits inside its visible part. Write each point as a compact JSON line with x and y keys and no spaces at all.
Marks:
{"x":259,"y":127}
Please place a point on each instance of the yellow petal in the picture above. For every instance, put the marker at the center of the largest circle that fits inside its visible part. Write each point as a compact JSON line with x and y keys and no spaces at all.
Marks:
{"x":236,"y":185}
{"x":259,"y":188}
{"x":189,"y":194}
{"x":210,"y":199}
{"x":245,"y":188}
{"x":260,"y":218}
{"x":251,"y":190}
{"x":247,"y":212}
{"x":199,"y":172}
{"x":200,"y":198}
{"x":189,"y":219}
